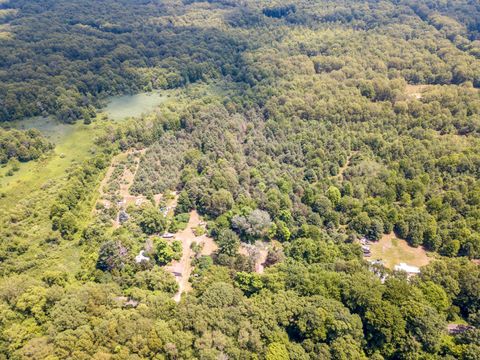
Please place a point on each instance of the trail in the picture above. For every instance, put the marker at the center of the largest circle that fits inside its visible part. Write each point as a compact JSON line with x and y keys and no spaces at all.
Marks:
{"x":183,"y":268}
{"x":342,"y":170}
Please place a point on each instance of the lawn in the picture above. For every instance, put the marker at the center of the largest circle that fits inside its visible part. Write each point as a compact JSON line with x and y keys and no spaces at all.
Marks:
{"x":394,"y":251}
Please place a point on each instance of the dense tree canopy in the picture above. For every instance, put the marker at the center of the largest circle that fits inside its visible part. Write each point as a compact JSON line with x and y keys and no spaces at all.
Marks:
{"x":303,"y":126}
{"x":22,"y":145}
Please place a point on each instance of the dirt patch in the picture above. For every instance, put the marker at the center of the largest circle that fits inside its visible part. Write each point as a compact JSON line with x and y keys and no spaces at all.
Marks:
{"x":183,"y":268}
{"x":416,"y":91}
{"x":208,"y":245}
{"x":393,"y":251}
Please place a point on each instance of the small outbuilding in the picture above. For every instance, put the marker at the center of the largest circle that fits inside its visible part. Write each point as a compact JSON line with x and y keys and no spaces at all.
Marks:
{"x":454,"y":329}
{"x":141,"y":257}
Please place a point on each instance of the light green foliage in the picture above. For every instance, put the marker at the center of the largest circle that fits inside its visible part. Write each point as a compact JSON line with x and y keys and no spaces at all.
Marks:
{"x":277,"y":351}
{"x":156,"y":279}
{"x":166,"y":252}
{"x":249,"y":283}
{"x":333,"y":194}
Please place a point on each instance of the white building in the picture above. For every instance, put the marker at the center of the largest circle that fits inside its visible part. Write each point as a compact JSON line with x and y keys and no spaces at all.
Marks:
{"x":141,"y":257}
{"x":409,"y":269}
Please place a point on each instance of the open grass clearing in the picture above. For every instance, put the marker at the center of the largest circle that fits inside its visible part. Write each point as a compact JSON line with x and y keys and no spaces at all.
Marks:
{"x":393,"y":251}
{"x":125,"y":106}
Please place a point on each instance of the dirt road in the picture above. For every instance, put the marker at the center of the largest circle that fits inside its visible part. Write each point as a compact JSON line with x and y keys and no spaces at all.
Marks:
{"x":182,"y":269}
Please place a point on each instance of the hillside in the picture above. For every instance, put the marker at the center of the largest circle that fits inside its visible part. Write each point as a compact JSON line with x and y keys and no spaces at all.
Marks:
{"x":218,"y":179}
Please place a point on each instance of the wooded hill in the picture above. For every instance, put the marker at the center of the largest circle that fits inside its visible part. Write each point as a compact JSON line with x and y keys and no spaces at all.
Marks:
{"x":305,"y":125}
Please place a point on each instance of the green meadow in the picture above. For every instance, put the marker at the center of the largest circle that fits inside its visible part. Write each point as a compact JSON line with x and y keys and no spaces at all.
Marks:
{"x":32,"y":189}
{"x":35,"y":185}
{"x":125,"y":106}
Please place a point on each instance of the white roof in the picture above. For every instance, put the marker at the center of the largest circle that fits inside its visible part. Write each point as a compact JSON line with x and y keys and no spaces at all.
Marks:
{"x":140,"y":257}
{"x":407,"y":268}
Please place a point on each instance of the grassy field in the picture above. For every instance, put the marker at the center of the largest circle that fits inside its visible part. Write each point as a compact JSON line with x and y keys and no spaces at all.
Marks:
{"x":121,"y":107}
{"x":394,"y":251}
{"x":72,"y":143}
{"x":31,"y":190}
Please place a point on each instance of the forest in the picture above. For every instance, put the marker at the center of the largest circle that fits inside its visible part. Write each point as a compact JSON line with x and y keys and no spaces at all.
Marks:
{"x":299,"y":130}
{"x":22,"y":145}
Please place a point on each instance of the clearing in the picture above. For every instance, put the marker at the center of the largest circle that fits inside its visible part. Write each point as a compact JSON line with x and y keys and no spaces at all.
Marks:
{"x":416,"y":91}
{"x":125,"y":106}
{"x":36,"y":185}
{"x":393,"y":251}
{"x":183,"y":268}
{"x":125,"y":180}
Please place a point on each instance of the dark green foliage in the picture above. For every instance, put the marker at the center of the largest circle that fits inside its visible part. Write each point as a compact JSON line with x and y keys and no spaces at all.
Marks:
{"x":150,"y":220}
{"x":22,"y":145}
{"x":228,"y":242}
{"x":112,"y":256}
{"x":306,"y":133}
{"x":81,"y":53}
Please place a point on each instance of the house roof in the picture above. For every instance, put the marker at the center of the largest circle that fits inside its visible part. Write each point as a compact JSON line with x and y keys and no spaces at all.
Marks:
{"x":407,"y":268}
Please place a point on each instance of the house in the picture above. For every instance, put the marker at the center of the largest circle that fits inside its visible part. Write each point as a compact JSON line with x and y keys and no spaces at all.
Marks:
{"x":126,"y":301}
{"x":131,"y":303}
{"x":409,"y":269}
{"x":141,"y":257}
{"x":168,"y":235}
